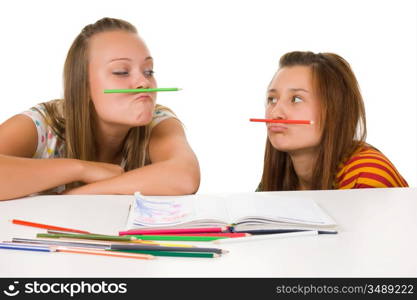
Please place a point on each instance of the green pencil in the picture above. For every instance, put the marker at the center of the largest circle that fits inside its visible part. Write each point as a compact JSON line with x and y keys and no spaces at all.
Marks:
{"x":177,"y":238}
{"x":87,"y":236}
{"x":141,"y":90}
{"x":172,"y":253}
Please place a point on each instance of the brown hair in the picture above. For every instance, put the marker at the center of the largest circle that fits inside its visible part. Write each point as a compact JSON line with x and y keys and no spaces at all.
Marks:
{"x":72,"y":119}
{"x":342,"y":122}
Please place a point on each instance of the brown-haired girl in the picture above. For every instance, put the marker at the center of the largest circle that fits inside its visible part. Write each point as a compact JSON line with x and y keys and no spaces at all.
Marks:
{"x":330,"y":153}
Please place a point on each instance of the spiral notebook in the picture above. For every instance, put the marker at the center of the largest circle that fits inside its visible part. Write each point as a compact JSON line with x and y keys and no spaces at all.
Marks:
{"x":250,"y":211}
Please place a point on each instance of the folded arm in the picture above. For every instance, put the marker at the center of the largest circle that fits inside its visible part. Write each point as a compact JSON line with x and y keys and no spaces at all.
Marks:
{"x":174,"y":169}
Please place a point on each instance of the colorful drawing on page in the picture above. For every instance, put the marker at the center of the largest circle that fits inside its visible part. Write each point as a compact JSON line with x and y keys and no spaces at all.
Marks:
{"x":159,"y":212}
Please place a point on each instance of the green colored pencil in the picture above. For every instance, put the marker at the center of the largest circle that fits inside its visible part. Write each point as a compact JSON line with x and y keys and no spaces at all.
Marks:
{"x":178,"y":238}
{"x":141,"y":90}
{"x":87,"y":236}
{"x":172,"y":253}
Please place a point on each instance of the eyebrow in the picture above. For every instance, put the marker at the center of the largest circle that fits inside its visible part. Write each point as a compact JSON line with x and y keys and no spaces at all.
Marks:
{"x":127,"y":58}
{"x":291,"y":89}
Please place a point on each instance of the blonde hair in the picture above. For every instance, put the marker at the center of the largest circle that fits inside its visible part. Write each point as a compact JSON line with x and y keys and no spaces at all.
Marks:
{"x":72,"y":118}
{"x":342,"y":120}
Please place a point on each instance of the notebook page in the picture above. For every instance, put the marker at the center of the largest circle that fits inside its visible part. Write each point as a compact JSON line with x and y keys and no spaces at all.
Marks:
{"x":273,"y":206}
{"x":175,"y":211}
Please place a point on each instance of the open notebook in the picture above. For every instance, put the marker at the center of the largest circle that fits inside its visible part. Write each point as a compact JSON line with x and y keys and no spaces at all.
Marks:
{"x":255,"y":211}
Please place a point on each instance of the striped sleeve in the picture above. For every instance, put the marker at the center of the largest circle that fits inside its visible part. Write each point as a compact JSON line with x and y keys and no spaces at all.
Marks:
{"x":369,"y":168}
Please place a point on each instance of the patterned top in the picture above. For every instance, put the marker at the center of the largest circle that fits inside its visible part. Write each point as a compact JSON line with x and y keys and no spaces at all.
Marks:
{"x":51,"y":146}
{"x":368,"y":168}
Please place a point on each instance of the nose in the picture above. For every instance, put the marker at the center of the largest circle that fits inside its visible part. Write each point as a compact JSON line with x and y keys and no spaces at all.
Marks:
{"x":276,"y":111}
{"x":141,"y":82}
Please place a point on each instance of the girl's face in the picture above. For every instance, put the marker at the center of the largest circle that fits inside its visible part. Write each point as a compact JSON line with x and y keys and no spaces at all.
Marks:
{"x":291,"y":97}
{"x":121,"y":60}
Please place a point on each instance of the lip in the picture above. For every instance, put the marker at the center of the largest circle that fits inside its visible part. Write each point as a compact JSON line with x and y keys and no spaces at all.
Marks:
{"x":277,"y":128}
{"x":143,"y":96}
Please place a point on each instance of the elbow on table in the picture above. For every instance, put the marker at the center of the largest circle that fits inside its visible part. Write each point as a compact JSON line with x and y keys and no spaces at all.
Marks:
{"x":188,"y":184}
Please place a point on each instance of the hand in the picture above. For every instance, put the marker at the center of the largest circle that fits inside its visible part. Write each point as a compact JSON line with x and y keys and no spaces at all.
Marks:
{"x":97,"y":171}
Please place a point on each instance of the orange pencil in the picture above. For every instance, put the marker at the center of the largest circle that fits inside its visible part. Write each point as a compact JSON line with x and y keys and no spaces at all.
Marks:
{"x":283,"y":121}
{"x":103,"y":253}
{"x":44,"y":226}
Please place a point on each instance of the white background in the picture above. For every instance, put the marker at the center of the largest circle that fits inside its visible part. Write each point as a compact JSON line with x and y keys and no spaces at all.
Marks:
{"x":223,"y":54}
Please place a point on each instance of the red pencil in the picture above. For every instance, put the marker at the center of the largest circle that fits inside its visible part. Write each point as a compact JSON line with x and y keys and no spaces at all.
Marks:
{"x":44,"y":226}
{"x":283,"y":121}
{"x":174,"y":230}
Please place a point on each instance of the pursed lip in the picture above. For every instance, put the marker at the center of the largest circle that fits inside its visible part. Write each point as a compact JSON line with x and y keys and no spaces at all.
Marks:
{"x":277,"y":128}
{"x":143,"y":96}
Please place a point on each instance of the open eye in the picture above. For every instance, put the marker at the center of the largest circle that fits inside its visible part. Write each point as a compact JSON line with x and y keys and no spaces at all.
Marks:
{"x":271,"y":100}
{"x":296,"y":99}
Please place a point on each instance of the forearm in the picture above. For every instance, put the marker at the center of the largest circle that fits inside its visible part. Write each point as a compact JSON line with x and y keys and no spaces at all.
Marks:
{"x":169,"y":177}
{"x":20,"y":177}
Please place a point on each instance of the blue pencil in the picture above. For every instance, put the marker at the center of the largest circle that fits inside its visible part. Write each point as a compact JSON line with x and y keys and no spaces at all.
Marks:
{"x":13,"y":246}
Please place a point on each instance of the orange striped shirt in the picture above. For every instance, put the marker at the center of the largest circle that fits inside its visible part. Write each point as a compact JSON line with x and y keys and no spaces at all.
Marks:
{"x":368,"y":168}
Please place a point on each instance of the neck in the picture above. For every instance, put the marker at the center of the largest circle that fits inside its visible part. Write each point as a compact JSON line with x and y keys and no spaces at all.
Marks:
{"x":109,"y":141}
{"x":304,"y":163}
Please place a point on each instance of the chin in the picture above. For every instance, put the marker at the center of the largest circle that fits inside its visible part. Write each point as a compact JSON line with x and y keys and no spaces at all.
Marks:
{"x":143,"y":119}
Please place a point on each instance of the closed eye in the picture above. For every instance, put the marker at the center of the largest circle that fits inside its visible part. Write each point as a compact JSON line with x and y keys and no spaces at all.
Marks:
{"x":149,"y":73}
{"x":120,"y":73}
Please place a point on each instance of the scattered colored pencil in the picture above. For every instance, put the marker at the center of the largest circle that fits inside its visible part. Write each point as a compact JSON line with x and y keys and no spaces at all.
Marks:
{"x":141,"y":90}
{"x":87,"y":236}
{"x":177,"y":238}
{"x":51,"y":242}
{"x":106,"y":242}
{"x":162,"y":248}
{"x":93,"y":244}
{"x":283,"y":121}
{"x":221,"y":234}
{"x":267,"y":237}
{"x":172,"y":253}
{"x":13,"y":246}
{"x":175,"y":230}
{"x":104,"y":253}
{"x":271,"y":231}
{"x":44,"y":226}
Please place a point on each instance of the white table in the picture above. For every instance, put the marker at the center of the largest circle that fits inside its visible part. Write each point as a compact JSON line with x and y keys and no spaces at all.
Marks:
{"x":377,"y":238}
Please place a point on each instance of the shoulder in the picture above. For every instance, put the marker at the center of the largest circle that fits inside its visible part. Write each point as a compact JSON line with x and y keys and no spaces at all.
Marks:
{"x":41,"y":111}
{"x":368,"y":167}
{"x":48,"y":143}
{"x":160,"y":114}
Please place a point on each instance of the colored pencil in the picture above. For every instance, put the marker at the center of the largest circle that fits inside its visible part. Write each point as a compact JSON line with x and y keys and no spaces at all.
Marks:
{"x":51,"y":242}
{"x":222,"y":234}
{"x":172,"y":253}
{"x":104,"y":253}
{"x":93,"y":244}
{"x":163,"y":248}
{"x":87,"y":236}
{"x":177,"y":238}
{"x":130,"y":242}
{"x":175,"y":230}
{"x":270,"y":231}
{"x":283,"y":121}
{"x":45,"y":226}
{"x":141,"y":90}
{"x":267,"y":237}
{"x":13,"y":246}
